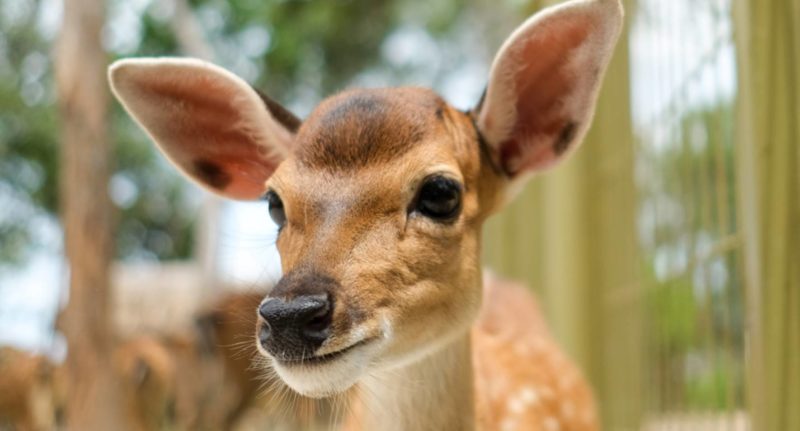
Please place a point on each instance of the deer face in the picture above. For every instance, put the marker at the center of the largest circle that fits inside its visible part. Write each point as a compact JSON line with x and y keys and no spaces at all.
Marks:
{"x":380,"y":206}
{"x":380,"y":194}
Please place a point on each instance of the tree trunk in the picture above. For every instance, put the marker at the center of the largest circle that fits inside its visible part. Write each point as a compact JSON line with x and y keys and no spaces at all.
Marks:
{"x":87,"y":217}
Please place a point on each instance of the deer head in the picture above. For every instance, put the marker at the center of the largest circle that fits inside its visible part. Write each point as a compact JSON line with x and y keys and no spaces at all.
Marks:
{"x":380,"y":194}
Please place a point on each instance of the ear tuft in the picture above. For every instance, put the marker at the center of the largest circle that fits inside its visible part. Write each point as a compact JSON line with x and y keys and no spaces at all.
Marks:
{"x":208,"y":122}
{"x":544,"y":84}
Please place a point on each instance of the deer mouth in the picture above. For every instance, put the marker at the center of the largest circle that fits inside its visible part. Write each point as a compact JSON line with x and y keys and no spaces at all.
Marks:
{"x":319,"y":376}
{"x":321,"y":359}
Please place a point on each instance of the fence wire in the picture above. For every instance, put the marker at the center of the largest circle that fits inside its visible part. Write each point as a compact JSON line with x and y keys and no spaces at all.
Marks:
{"x":684,"y":89}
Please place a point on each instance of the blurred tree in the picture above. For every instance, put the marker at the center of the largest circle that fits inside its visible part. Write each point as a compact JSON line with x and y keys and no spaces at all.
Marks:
{"x":156,"y":213}
{"x":87,"y":216}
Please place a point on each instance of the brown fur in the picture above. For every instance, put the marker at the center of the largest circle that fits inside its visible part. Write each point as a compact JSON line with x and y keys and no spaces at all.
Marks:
{"x":229,"y":326}
{"x":549,"y":393}
{"x":406,"y":287}
{"x":173,"y":382}
{"x":147,"y":372}
{"x":352,"y":129}
{"x":325,"y":208}
{"x":26,"y":402}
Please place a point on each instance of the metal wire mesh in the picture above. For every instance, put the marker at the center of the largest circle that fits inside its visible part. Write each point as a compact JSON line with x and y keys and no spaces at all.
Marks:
{"x":684,"y":89}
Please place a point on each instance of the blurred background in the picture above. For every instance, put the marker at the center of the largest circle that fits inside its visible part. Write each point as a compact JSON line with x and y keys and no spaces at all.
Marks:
{"x":665,"y":253}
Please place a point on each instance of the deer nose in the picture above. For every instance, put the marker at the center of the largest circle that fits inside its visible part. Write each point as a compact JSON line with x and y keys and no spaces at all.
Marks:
{"x":293,"y":329}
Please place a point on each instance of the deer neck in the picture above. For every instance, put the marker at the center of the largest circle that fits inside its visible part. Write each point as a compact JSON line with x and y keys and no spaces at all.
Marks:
{"x":434,"y":393}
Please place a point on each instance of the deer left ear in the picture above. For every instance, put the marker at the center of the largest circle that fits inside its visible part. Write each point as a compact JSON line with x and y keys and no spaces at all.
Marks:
{"x":544,"y":84}
{"x":208,"y":122}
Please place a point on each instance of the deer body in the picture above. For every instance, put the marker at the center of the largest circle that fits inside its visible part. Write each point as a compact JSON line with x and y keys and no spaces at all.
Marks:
{"x":27,"y":401}
{"x":380,"y":195}
{"x":513,"y":394}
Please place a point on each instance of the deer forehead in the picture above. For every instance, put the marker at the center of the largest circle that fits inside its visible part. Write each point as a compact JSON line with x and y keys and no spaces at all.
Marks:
{"x":369,"y":127}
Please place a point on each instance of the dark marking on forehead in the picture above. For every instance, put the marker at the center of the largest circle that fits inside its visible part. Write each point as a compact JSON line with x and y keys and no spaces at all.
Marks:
{"x":565,"y":138}
{"x":366,"y":127}
{"x":211,"y":173}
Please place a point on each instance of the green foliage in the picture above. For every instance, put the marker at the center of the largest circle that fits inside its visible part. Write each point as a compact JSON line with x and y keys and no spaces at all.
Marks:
{"x":28,"y":151}
{"x":694,"y":291}
{"x":157,"y":38}
{"x":674,"y":315}
{"x":710,"y":390}
{"x":298,"y":46}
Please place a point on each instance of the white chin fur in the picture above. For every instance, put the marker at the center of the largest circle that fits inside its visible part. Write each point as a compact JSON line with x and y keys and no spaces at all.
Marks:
{"x":328,"y":378}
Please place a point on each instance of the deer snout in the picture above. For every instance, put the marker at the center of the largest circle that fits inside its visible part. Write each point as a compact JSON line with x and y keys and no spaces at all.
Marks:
{"x":292,"y":329}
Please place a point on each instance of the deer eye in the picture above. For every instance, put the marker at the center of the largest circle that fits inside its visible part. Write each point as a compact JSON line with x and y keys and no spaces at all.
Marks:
{"x":276,"y":211}
{"x":439,"y":198}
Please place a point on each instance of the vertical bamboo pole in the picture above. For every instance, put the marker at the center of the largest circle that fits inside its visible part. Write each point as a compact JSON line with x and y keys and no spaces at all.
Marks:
{"x":579,"y":250}
{"x":612,"y":288}
{"x":768,"y":187}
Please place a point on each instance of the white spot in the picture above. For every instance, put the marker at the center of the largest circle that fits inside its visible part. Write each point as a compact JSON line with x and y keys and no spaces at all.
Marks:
{"x":508,"y":424}
{"x":551,"y":424}
{"x":386,"y":326}
{"x":516,"y":405}
{"x":567,"y":381}
{"x":529,"y":395}
{"x":568,"y":409}
{"x":587,"y":415}
{"x":522,"y":349}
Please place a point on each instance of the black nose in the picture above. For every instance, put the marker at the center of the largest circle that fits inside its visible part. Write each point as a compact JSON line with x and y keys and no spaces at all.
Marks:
{"x":294,"y":329}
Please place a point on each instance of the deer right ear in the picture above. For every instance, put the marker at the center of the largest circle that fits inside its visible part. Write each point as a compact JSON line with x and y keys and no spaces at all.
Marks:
{"x":544,"y":83}
{"x":208,"y":122}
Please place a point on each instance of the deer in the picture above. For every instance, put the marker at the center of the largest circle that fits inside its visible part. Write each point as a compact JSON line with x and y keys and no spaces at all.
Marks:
{"x":226,"y":327}
{"x":27,"y":399}
{"x":147,"y":376}
{"x":380,"y":195}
